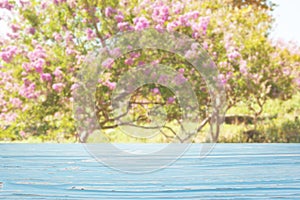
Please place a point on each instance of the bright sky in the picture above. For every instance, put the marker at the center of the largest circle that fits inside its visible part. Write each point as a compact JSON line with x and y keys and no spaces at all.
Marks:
{"x":287,"y":25}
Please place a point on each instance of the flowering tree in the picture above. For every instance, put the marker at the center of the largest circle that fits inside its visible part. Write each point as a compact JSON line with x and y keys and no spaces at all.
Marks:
{"x":47,"y":43}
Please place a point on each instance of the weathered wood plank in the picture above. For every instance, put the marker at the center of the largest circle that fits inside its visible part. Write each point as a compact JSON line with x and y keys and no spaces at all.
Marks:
{"x":241,"y":171}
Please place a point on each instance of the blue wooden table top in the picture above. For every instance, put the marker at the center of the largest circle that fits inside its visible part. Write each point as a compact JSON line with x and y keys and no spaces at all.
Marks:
{"x":231,"y":171}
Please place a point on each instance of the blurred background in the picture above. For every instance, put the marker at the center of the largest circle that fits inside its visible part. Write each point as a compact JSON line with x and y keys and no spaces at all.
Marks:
{"x":254,"y":44}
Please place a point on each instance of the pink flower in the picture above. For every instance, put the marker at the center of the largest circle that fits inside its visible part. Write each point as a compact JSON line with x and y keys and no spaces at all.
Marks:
{"x":80,"y":59}
{"x":22,"y":133}
{"x":116,"y":52}
{"x":193,"y":14}
{"x":15,"y":27}
{"x":141,"y":63}
{"x":160,"y":14}
{"x":286,"y":71}
{"x":38,"y":52}
{"x":119,"y":18}
{"x":110,"y":85}
{"x":184,"y":20}
{"x":178,"y":7}
{"x":108,"y":63}
{"x":204,"y":21}
{"x":155,"y":91}
{"x":70,"y":51}
{"x":233,"y":55}
{"x":5,"y":4}
{"x":181,"y":70}
{"x":172,"y":26}
{"x":28,"y":90}
{"x":57,"y":72}
{"x":68,"y":37}
{"x":243,"y":67}
{"x":57,"y":37}
{"x":141,"y":23}
{"x":58,"y":87}
{"x":163,"y":79}
{"x":190,"y":54}
{"x":8,"y":53}
{"x":11,"y":117}
{"x":74,"y":86}
{"x":90,"y":34}
{"x":25,"y":2}
{"x":72,"y":3}
{"x":170,"y":100}
{"x":46,"y":77}
{"x":222,"y":79}
{"x":128,"y":61}
{"x":31,"y":30}
{"x":205,"y":45}
{"x":56,"y":2}
{"x":44,"y":4}
{"x":155,"y":62}
{"x":109,"y":11}
{"x":6,"y":56}
{"x":16,"y":102}
{"x":123,"y":26}
{"x":195,"y":46}
{"x":26,"y":82}
{"x":12,"y":35}
{"x":135,"y":55}
{"x":180,"y":79}
{"x":201,"y":26}
{"x":159,"y":28}
{"x":38,"y":65}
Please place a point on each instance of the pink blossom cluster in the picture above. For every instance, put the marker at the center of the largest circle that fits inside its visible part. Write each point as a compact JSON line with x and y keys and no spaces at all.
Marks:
{"x":171,"y":100}
{"x":37,"y":58}
{"x":233,"y":55}
{"x":243,"y":67}
{"x":46,"y":77}
{"x":57,"y":37}
{"x":131,"y":59}
{"x":119,"y":18}
{"x":27,"y":90}
{"x":37,"y":53}
{"x":109,"y":11}
{"x":124,"y":26}
{"x":222,"y":79}
{"x":187,"y":18}
{"x":200,"y":27}
{"x":179,"y":78}
{"x":8,"y":53}
{"x":110,"y":85}
{"x":90,"y":34}
{"x":5,"y":4}
{"x":56,"y":2}
{"x":155,"y":91}
{"x":16,"y":102}
{"x":160,"y":14}
{"x":8,"y":117}
{"x":141,"y":23}
{"x":15,"y":28}
{"x":108,"y":63}
{"x":58,"y":87}
{"x":58,"y":74}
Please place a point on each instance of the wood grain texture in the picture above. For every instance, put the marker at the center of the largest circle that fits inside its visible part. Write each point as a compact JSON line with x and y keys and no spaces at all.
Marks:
{"x":231,"y":171}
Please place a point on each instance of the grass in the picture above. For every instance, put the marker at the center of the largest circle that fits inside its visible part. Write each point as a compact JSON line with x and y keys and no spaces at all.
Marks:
{"x":285,"y":127}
